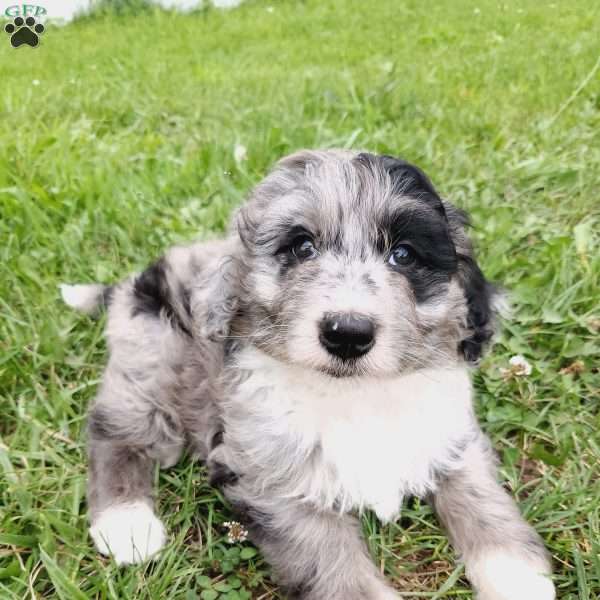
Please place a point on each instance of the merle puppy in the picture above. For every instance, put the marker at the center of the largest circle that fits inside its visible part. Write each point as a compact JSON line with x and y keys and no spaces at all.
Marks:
{"x":318,"y":361}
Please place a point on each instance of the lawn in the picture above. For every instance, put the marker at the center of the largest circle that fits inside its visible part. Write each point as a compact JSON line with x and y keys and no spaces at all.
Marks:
{"x":118,"y":138}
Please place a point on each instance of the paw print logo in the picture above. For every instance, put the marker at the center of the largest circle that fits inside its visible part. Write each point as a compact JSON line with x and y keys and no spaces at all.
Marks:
{"x":24,"y":31}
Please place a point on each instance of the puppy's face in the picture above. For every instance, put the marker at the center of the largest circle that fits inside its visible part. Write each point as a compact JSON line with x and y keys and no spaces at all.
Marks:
{"x":355,"y":266}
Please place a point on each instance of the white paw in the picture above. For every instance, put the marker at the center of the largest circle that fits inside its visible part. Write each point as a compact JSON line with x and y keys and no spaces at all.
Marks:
{"x":505,"y":577}
{"x":131,"y":533}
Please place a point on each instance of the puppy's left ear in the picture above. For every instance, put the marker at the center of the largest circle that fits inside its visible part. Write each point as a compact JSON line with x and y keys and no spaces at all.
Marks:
{"x":482,"y":299}
{"x":215,"y":299}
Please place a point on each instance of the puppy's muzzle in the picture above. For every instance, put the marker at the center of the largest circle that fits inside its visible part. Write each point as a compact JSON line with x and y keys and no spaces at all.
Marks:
{"x":347,"y":336}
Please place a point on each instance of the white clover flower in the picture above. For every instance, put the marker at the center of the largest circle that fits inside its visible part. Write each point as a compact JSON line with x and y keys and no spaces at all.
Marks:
{"x":519,"y":367}
{"x":236,"y":532}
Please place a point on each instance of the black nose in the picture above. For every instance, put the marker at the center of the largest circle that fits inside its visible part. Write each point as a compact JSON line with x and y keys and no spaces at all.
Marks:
{"x":346,"y":335}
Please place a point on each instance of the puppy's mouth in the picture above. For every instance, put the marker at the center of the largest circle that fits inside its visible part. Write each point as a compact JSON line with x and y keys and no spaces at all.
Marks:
{"x":340,"y":346}
{"x":340,"y":370}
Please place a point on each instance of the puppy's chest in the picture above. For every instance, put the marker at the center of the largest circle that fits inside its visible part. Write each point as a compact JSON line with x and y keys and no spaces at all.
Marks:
{"x":356,"y":444}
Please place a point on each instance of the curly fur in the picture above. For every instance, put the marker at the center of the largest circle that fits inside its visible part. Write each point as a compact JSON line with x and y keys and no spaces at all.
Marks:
{"x":216,"y":347}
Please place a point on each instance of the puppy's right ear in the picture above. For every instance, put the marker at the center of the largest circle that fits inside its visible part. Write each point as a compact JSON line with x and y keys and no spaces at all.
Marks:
{"x":215,"y":299}
{"x":298,"y":160}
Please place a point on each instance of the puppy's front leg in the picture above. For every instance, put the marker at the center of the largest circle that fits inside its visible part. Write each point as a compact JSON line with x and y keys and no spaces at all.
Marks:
{"x":316,"y":555}
{"x":503,"y":555}
{"x":321,"y":556}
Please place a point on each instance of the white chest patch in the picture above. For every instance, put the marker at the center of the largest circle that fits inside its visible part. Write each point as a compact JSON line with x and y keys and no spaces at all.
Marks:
{"x":351,"y":443}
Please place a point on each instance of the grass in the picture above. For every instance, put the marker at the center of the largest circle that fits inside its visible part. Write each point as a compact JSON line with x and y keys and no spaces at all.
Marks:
{"x":117,"y":140}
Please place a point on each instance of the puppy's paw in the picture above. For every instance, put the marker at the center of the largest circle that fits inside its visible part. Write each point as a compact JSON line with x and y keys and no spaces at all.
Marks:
{"x":131,"y":533}
{"x":502,"y":576}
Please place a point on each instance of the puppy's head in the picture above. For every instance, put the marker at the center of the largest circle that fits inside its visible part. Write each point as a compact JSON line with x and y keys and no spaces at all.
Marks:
{"x":353,"y":265}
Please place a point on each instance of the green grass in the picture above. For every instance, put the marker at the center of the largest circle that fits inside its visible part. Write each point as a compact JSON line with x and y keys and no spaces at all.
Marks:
{"x":125,"y":146}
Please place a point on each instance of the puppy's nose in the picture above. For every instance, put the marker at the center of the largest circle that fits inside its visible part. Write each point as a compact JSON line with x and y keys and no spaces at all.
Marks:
{"x":346,"y":335}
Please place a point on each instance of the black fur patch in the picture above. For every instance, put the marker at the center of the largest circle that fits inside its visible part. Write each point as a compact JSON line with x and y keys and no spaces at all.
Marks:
{"x":479,"y":293}
{"x":151,"y":290}
{"x":426,"y":283}
{"x":407,"y":179}
{"x":424,"y":227}
{"x":154,"y":296}
{"x":221,"y":475}
{"x":426,"y":232}
{"x":107,"y":295}
{"x":217,"y":439}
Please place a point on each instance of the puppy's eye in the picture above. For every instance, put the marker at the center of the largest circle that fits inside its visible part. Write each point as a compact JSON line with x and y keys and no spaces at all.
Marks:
{"x":402,"y":255}
{"x":303,"y":248}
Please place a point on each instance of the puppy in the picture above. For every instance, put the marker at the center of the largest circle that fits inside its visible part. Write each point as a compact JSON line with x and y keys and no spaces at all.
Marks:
{"x":318,"y":360}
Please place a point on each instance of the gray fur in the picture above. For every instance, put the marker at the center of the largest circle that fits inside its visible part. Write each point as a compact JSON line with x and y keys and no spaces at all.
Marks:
{"x":164,"y":389}
{"x":481,"y":517}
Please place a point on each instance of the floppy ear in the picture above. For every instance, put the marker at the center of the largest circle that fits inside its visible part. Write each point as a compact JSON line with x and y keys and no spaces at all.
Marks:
{"x":484,"y":300}
{"x":481,"y":298}
{"x":215,"y":299}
